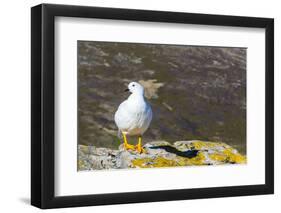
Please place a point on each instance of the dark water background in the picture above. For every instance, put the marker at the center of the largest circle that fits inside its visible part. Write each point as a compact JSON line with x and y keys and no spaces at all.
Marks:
{"x":195,"y":92}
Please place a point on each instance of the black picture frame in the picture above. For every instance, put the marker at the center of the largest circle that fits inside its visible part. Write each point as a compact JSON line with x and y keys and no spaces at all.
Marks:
{"x":43,"y":102}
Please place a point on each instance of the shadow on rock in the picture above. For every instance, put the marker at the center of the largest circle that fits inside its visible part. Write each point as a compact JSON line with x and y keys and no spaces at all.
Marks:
{"x":170,"y":149}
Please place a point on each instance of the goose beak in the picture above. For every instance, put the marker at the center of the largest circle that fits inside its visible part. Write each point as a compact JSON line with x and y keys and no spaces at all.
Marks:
{"x":126,"y":90}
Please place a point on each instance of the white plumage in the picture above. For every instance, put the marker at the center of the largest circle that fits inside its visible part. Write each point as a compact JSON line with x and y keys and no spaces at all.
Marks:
{"x":134,"y":115}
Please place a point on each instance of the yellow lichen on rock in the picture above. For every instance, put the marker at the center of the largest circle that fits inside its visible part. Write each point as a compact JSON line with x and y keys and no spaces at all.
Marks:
{"x":234,"y":157}
{"x":156,"y":162}
{"x":81,"y":165}
{"x":218,"y":157}
{"x":165,"y":162}
{"x":228,"y":155}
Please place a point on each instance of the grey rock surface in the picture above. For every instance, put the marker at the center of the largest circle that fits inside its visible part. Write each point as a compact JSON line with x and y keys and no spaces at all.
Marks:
{"x":159,"y":154}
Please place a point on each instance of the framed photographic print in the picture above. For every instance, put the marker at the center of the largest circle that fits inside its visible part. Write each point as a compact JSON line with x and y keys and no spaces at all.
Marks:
{"x":139,"y":106}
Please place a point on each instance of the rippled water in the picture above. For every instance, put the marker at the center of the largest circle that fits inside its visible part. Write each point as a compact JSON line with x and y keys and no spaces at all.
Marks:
{"x":195,"y":92}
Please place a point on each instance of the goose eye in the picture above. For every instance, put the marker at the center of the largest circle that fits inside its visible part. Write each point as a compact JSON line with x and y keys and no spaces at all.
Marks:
{"x":133,"y":85}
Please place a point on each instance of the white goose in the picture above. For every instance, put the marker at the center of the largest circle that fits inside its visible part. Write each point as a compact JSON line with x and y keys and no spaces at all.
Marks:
{"x":133,"y":116}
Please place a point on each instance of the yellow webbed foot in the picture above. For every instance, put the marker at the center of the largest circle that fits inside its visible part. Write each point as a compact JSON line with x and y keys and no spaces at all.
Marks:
{"x":139,"y":146}
{"x":140,"y":149}
{"x":129,"y":146}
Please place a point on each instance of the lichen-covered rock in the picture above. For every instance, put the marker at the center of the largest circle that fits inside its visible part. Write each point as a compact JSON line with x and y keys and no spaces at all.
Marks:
{"x":159,"y":154}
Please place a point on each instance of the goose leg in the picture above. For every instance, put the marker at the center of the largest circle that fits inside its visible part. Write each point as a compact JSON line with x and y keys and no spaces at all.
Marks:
{"x":126,"y":145}
{"x":139,"y":146}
